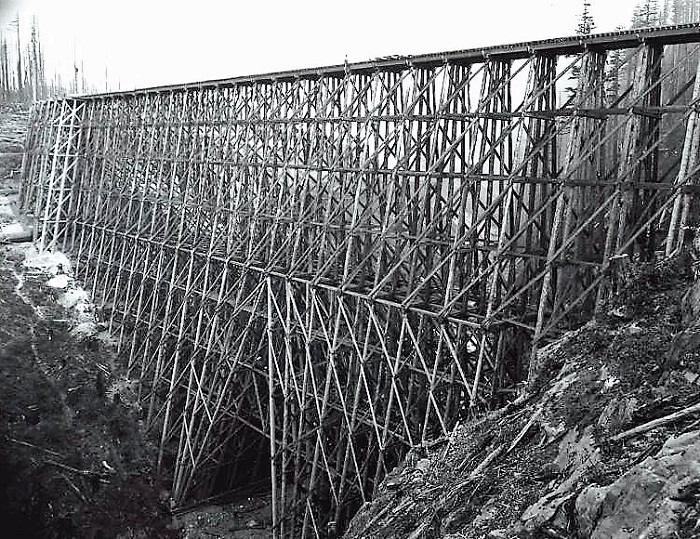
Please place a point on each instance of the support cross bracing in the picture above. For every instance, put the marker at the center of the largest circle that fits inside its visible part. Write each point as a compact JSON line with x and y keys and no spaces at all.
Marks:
{"x":347,"y":261}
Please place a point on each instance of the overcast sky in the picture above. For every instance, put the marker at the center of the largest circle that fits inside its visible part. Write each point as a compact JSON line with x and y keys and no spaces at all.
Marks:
{"x":153,"y":42}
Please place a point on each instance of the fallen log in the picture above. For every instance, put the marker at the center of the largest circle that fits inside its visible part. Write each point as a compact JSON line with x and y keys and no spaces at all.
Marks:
{"x":695,"y":408}
{"x":524,"y":430}
{"x":486,"y":462}
{"x":16,"y":234}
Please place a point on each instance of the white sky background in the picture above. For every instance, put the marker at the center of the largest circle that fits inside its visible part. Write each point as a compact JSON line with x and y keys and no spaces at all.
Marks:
{"x":154,"y":42}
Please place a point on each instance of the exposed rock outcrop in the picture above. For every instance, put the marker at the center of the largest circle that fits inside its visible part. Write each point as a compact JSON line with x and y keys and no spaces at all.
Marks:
{"x":650,"y":500}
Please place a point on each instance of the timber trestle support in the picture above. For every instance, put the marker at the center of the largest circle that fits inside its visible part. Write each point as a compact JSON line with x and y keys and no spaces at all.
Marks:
{"x":327,"y":267}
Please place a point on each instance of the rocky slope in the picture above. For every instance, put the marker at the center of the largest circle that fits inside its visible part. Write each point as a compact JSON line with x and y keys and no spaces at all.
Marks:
{"x":605,"y":445}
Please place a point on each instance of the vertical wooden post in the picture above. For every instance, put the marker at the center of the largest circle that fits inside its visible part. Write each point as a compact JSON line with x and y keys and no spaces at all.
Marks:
{"x":689,"y":160}
{"x":271,"y":408}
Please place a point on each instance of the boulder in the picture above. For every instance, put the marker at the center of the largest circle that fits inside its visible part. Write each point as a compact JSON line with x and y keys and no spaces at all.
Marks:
{"x":647,"y":501}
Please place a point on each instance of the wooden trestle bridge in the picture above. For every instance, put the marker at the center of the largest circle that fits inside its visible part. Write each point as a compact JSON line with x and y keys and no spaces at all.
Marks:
{"x":323,"y":268}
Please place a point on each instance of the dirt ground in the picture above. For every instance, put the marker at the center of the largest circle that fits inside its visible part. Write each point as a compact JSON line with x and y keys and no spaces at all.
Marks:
{"x":74,"y":462}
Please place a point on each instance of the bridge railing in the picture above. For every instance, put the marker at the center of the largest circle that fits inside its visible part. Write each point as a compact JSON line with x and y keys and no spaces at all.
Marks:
{"x":341,"y":263}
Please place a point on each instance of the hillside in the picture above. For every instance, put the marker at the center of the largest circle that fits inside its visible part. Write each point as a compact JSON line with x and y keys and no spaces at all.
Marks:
{"x":606,"y":443}
{"x":74,"y":458}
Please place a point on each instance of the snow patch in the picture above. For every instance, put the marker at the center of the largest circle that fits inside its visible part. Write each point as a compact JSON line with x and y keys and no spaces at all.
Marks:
{"x":74,"y":298}
{"x":6,"y":207}
{"x":82,"y":310}
{"x":13,"y":229}
{"x":53,"y":263}
{"x":59,"y":281}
